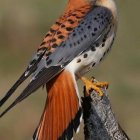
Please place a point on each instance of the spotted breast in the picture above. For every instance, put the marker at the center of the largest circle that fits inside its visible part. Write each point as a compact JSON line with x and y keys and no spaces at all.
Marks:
{"x":98,"y":19}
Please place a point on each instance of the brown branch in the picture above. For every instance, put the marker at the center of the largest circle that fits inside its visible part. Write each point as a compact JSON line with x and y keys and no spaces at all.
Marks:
{"x":99,"y":119}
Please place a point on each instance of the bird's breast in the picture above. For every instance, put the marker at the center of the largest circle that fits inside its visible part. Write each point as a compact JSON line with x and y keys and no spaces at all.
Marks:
{"x":94,"y":55}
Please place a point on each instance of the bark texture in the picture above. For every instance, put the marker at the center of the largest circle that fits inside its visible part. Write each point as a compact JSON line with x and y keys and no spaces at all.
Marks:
{"x":99,"y":119}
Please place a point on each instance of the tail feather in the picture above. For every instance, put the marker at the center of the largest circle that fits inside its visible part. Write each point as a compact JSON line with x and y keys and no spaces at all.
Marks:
{"x":62,"y":113}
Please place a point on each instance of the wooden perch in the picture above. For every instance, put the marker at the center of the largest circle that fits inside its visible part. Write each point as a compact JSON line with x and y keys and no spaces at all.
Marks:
{"x":99,"y":120}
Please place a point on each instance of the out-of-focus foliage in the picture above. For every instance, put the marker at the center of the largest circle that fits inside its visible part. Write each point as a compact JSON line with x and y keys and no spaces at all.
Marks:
{"x":22,"y":26}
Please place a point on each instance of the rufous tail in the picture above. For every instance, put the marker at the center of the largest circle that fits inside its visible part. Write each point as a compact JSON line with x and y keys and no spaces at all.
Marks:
{"x":62,"y":113}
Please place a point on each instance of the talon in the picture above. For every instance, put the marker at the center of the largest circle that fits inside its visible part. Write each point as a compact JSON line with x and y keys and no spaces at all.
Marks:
{"x":93,"y":84}
{"x":102,"y":84}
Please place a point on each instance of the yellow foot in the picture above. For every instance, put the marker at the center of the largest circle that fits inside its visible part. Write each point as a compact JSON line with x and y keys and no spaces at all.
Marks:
{"x":93,"y":84}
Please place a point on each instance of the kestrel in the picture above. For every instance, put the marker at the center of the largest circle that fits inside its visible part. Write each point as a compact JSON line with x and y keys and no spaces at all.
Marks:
{"x":77,"y":42}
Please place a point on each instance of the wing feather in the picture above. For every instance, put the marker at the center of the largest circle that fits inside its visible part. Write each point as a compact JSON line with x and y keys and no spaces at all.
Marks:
{"x":30,"y":69}
{"x":42,"y":78}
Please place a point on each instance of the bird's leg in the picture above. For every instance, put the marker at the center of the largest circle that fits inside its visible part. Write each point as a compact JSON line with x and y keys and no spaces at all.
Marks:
{"x":93,"y":84}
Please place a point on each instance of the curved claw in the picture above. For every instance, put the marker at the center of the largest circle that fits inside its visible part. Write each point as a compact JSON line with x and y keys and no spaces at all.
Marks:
{"x":94,"y":84}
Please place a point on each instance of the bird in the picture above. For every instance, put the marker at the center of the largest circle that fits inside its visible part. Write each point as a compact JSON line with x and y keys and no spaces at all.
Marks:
{"x":79,"y":39}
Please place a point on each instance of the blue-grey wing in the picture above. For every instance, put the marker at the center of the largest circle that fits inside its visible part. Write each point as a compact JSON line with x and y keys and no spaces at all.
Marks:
{"x":90,"y":31}
{"x":94,"y":26}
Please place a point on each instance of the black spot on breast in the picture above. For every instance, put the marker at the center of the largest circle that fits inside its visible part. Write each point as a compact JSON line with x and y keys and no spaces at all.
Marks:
{"x":93,"y":34}
{"x":85,"y":36}
{"x":104,"y":54}
{"x":104,"y":40}
{"x":95,"y":18}
{"x":102,"y":22}
{"x":95,"y":29}
{"x":79,"y":60}
{"x":107,"y":50}
{"x":74,"y":34}
{"x":107,"y":19}
{"x":93,"y":49}
{"x":93,"y":64}
{"x":89,"y":27}
{"x":102,"y":17}
{"x":74,"y":44}
{"x":85,"y":55}
{"x":78,"y":42}
{"x":103,"y":44}
{"x":79,"y":26}
{"x":49,"y":62}
{"x":97,"y":44}
{"x":101,"y":59}
{"x":81,"y":39}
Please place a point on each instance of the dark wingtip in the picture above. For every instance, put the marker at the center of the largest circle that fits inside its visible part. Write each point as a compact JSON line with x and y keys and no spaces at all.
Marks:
{"x":2,"y":114}
{"x":23,"y":77}
{"x":6,"y":110}
{"x":2,"y":101}
{"x":5,"y":98}
{"x":12,"y":90}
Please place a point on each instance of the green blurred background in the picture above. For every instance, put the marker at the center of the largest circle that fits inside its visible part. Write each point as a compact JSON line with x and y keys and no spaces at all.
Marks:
{"x":23,"y":24}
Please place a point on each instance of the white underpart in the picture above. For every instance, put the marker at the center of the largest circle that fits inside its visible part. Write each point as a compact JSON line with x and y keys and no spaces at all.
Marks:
{"x":93,"y":57}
